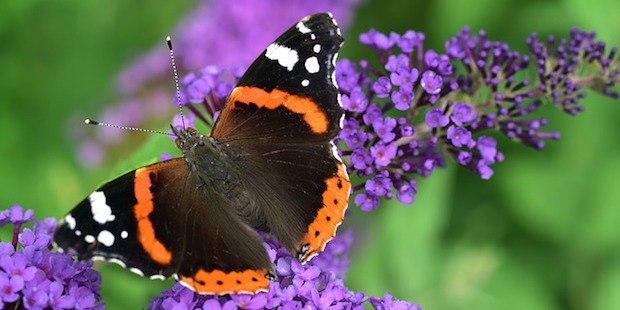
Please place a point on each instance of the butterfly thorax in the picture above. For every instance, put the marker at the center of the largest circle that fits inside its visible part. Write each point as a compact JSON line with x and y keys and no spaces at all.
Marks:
{"x":208,"y":163}
{"x":211,"y":164}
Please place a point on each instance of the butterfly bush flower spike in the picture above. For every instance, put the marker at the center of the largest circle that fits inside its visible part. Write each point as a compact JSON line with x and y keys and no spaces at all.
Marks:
{"x":421,"y":107}
{"x":34,"y":277}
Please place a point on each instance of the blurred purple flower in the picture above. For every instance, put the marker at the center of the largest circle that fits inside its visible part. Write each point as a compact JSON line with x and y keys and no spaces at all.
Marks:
{"x":435,"y":118}
{"x":388,"y":303}
{"x":223,"y":33}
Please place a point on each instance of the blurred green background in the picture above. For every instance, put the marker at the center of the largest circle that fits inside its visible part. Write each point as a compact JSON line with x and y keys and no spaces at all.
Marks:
{"x":543,"y":233}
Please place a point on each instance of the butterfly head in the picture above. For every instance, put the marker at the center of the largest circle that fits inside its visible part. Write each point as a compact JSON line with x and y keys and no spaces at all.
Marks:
{"x":187,"y":138}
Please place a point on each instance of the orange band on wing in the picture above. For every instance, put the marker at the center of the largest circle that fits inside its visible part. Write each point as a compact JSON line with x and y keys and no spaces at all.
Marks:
{"x":314,"y":117}
{"x":329,"y":216}
{"x":220,"y":282}
{"x":146,"y":233}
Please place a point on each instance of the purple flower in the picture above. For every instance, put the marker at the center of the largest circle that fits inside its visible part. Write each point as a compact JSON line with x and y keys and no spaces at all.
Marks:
{"x":385,"y":129}
{"x":380,"y":185}
{"x":483,"y":169}
{"x":388,"y":302}
{"x":464,"y":157}
{"x":382,"y":154}
{"x":488,"y":148}
{"x":17,"y":267}
{"x":36,"y":296}
{"x":361,"y":159}
{"x":406,"y":193}
{"x":402,"y":99}
{"x":349,"y":127}
{"x":256,"y":301}
{"x":372,"y":114}
{"x":58,"y":299}
{"x":32,"y":275}
{"x":462,"y":113}
{"x":10,"y":287}
{"x":382,"y":87}
{"x":431,"y":82}
{"x":396,"y":63}
{"x":435,"y":118}
{"x":185,"y":301}
{"x":378,"y":40}
{"x":440,"y":63}
{"x":16,"y":215}
{"x":431,"y":58}
{"x":367,"y":202}
{"x":410,"y":41}
{"x":355,"y":102}
{"x":404,"y":76}
{"x":356,"y":140}
{"x":460,"y":137}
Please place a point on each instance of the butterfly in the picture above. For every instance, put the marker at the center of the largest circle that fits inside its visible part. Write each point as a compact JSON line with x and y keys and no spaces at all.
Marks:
{"x":270,"y":164}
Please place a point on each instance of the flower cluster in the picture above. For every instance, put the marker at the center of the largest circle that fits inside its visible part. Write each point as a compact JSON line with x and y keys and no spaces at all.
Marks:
{"x":32,"y":277}
{"x":316,"y":285}
{"x":409,"y":109}
{"x":224,"y":33}
{"x":204,"y":94}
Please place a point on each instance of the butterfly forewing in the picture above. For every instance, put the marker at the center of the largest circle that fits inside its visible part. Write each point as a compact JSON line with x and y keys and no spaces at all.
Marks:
{"x":281,"y":120}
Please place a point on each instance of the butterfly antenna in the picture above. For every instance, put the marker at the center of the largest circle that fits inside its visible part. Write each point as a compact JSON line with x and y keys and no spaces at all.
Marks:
{"x":89,"y":121}
{"x":176,"y":79}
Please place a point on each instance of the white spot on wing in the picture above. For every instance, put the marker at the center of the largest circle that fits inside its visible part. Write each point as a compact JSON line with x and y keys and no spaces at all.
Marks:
{"x":335,"y":82}
{"x":305,"y":82}
{"x":78,"y":233}
{"x":316,"y":48}
{"x":118,"y":262}
{"x":312,"y":65}
{"x":313,"y":36}
{"x":124,"y":234}
{"x":285,"y":56}
{"x":106,"y":238}
{"x":137,"y":271}
{"x":70,"y":220}
{"x":89,"y":238}
{"x":102,"y":213}
{"x":302,"y":28}
{"x":335,"y":152}
{"x":157,"y":277}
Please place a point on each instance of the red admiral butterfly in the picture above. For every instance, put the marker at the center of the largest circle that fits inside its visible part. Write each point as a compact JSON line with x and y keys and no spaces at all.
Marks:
{"x":270,"y":164}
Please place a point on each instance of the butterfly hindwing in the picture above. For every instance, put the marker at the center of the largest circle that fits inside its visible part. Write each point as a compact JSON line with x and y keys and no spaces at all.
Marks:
{"x":104,"y":225}
{"x":168,"y":227}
